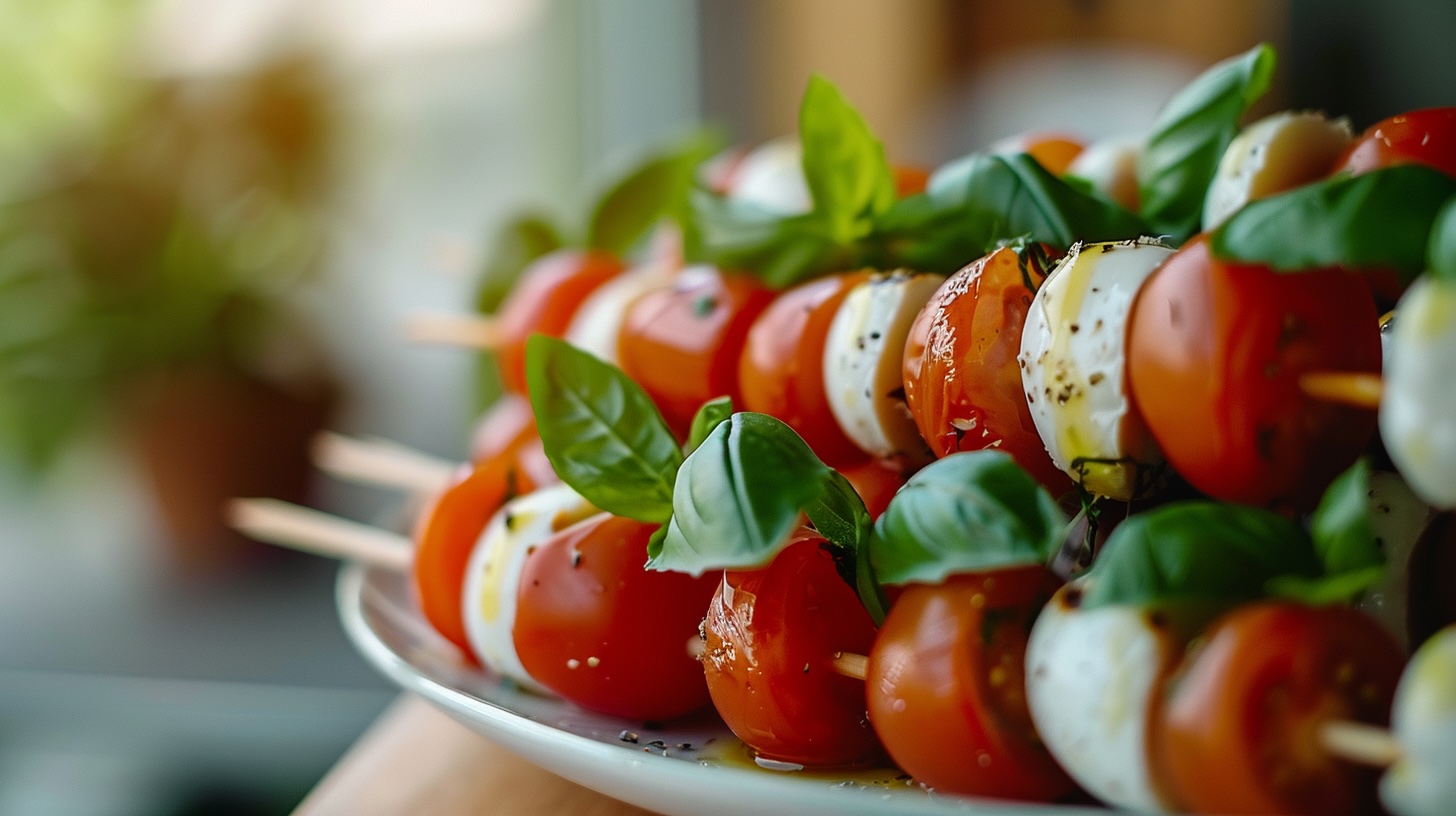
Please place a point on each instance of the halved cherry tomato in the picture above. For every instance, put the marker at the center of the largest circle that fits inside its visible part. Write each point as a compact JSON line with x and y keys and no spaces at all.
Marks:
{"x":1419,"y":137}
{"x":772,"y":634}
{"x":504,"y":427}
{"x":596,"y":628}
{"x":545,"y":298}
{"x":446,"y":534}
{"x":682,"y":343}
{"x":947,"y":689}
{"x":876,"y":481}
{"x":962,"y":381}
{"x":781,"y":372}
{"x":1215,"y":353}
{"x":1240,"y":732}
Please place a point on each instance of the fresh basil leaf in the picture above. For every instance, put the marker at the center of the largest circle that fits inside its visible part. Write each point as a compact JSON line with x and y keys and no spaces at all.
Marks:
{"x":968,"y":512}
{"x":841,"y":517}
{"x":1190,"y":135}
{"x":1377,"y":220}
{"x":1335,"y":588}
{"x":602,"y":433}
{"x":741,"y":494}
{"x":1441,"y":250}
{"x":708,"y":417}
{"x":1343,"y":534}
{"x":844,"y":164}
{"x":520,"y":241}
{"x":980,"y":200}
{"x":780,"y":250}
{"x":1198,"y":551}
{"x":656,"y":189}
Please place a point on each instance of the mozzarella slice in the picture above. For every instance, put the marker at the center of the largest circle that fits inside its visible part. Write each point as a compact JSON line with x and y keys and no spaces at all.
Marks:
{"x":1093,"y":681}
{"x":1417,"y":423}
{"x":863,"y":364}
{"x":1110,"y":165}
{"x":493,"y":575}
{"x":598,"y":321}
{"x":1275,"y":154}
{"x":1424,"y":721}
{"x":771,"y":177}
{"x":1398,"y":518}
{"x":1073,"y":350}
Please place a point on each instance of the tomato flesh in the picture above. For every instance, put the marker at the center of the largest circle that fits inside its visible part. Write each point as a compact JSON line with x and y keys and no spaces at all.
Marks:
{"x":947,"y":690}
{"x":543,"y":301}
{"x":772,"y":634}
{"x":1240,"y":733}
{"x":595,"y":627}
{"x":781,"y":372}
{"x":962,"y":380}
{"x":1419,"y":137}
{"x":682,"y":343}
{"x":446,"y":534}
{"x":1214,"y":358}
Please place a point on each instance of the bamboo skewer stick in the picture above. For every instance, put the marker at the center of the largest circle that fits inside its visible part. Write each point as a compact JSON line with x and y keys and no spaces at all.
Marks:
{"x":850,"y":665}
{"x":380,"y":462}
{"x":301,"y":528}
{"x":1357,"y":389}
{"x":470,"y":331}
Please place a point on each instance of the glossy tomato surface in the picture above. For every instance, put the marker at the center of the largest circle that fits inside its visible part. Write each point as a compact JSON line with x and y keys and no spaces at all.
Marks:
{"x":598,"y":629}
{"x":1419,"y":137}
{"x":781,"y":372}
{"x":962,"y":380}
{"x":772,"y":634}
{"x":876,"y":481}
{"x":682,"y":343}
{"x":1240,"y":732}
{"x":504,"y":427}
{"x":543,"y":301}
{"x":947,"y":690}
{"x":446,"y":534}
{"x":1214,"y":358}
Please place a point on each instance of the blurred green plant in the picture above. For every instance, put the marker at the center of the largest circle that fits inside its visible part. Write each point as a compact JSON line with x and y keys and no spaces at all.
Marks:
{"x":167,"y":236}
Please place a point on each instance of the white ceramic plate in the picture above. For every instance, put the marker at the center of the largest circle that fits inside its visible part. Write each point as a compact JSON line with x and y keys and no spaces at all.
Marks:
{"x":694,"y":768}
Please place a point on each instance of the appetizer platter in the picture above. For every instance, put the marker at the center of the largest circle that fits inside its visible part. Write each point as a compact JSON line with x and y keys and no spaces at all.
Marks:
{"x":1059,"y":475}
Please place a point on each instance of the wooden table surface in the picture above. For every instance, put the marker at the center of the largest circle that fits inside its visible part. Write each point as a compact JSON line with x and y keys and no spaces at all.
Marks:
{"x":416,"y":760}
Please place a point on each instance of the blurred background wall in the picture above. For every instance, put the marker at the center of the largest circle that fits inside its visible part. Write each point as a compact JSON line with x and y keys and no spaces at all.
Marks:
{"x":216,"y":215}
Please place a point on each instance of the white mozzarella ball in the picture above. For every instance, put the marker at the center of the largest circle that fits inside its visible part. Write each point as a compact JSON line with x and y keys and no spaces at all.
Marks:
{"x":1110,"y":165}
{"x":1073,"y":354}
{"x":1275,"y":154}
{"x":864,"y":364}
{"x":771,"y":178}
{"x":597,"y":324}
{"x":493,"y":575}
{"x":1418,"y":408}
{"x":1422,"y":782}
{"x":1398,"y":518}
{"x":1093,"y":680}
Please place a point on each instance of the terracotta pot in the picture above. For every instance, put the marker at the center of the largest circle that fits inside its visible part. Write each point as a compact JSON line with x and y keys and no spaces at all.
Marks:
{"x":206,"y":435}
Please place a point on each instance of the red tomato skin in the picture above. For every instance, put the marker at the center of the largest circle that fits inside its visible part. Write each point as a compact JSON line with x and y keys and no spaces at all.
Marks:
{"x":962,"y":380}
{"x":876,"y":481}
{"x":772,"y":634}
{"x":910,"y":180}
{"x":951,"y":711}
{"x":1215,"y":352}
{"x":682,"y":343}
{"x":446,"y":533}
{"x":1240,"y":731}
{"x":544,"y":301}
{"x":595,"y":627}
{"x":781,"y":371}
{"x":1419,"y":137}
{"x":506,"y":425}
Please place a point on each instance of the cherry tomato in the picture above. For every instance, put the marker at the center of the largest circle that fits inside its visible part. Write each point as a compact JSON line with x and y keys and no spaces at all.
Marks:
{"x":682,"y":343}
{"x":876,"y":481}
{"x":910,"y":180}
{"x":1053,"y":151}
{"x":504,"y":427}
{"x":1420,"y":137}
{"x":781,"y":372}
{"x":947,"y":689}
{"x":446,"y":535}
{"x":772,"y":634}
{"x":962,"y":381}
{"x":1240,"y":732}
{"x":596,"y":628}
{"x":1214,"y":358}
{"x":543,"y":301}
